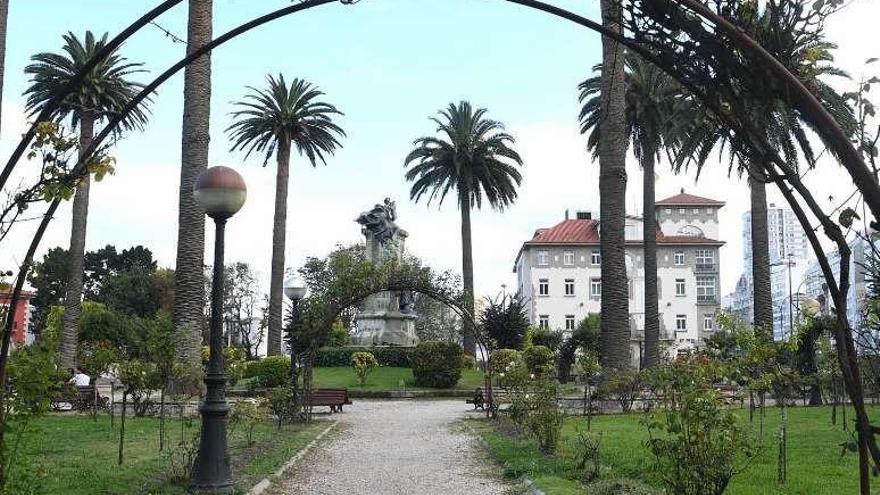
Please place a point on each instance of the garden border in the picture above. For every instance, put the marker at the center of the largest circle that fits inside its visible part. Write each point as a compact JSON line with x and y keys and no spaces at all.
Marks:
{"x":266,"y":482}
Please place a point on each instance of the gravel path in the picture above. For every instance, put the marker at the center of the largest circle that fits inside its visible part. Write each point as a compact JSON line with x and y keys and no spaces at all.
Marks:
{"x":396,"y":447}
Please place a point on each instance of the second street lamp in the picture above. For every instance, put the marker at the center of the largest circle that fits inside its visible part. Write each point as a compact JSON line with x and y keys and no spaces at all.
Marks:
{"x":295,"y":291}
{"x":221,"y":192}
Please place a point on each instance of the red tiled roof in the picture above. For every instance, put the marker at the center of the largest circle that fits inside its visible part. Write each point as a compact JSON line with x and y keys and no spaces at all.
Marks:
{"x":570,"y":231}
{"x":586,"y":232}
{"x":688,"y":200}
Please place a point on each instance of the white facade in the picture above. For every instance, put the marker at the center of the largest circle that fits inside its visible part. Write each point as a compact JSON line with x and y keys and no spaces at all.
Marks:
{"x":559,"y":273}
{"x":789,"y":255}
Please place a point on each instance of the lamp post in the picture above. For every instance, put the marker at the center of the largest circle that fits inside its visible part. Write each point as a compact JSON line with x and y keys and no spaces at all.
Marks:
{"x":221,"y":192}
{"x":295,"y":291}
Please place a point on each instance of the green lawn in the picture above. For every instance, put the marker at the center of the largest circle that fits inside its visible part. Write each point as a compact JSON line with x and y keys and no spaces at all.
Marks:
{"x":75,"y":455}
{"x":383,"y":378}
{"x":815,"y":464}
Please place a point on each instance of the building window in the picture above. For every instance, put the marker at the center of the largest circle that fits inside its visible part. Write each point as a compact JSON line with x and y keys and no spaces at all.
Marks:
{"x":696,"y":211}
{"x":659,"y":288}
{"x":708,"y":323}
{"x":544,"y":321}
{"x":543,"y":258}
{"x":705,"y":288}
{"x":678,"y":258}
{"x":680,"y":287}
{"x":569,"y":322}
{"x":708,"y":211}
{"x":596,"y":287}
{"x":704,"y":257}
{"x":568,"y":258}
{"x":596,"y":258}
{"x":543,"y":287}
{"x":682,"y":211}
{"x":669,"y":211}
{"x":681,"y":323}
{"x":629,"y":288}
{"x":569,"y":287}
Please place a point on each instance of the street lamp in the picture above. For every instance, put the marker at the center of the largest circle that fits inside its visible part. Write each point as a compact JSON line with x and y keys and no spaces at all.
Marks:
{"x":295,"y":291}
{"x":221,"y":192}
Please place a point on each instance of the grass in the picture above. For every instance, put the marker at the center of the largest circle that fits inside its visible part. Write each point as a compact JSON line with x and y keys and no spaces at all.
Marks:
{"x":815,"y":465}
{"x":75,"y":455}
{"x":385,"y":378}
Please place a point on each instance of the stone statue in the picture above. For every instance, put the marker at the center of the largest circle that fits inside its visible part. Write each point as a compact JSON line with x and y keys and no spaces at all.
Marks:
{"x":386,"y":318}
{"x":379,"y":221}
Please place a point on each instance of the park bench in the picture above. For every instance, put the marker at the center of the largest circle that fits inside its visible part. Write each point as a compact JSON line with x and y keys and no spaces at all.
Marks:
{"x":479,"y":399}
{"x":335,"y":398}
{"x":80,"y":399}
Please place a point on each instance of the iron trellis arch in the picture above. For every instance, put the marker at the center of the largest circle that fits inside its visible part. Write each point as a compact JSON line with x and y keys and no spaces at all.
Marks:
{"x":838,"y":140}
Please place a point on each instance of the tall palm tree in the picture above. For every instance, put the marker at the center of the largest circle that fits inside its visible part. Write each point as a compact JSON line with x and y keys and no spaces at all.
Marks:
{"x":104,"y":93}
{"x":269,"y":122}
{"x":189,"y":281}
{"x":784,"y":130}
{"x":4,"y":16}
{"x":473,"y":156}
{"x":650,"y":111}
{"x":614,"y":336}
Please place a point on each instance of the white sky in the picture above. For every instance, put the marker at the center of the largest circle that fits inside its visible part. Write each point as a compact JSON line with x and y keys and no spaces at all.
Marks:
{"x":388,"y":83}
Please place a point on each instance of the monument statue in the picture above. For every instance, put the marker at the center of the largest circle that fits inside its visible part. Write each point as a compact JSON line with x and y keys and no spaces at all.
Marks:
{"x":385,"y":318}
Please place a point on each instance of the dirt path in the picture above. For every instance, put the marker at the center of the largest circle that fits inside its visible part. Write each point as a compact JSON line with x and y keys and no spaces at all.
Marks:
{"x":397,"y":447}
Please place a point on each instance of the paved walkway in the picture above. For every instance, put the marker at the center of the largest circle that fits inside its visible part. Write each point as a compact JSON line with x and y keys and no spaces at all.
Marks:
{"x":396,"y":447}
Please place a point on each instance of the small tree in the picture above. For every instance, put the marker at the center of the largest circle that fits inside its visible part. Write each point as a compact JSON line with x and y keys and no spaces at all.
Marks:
{"x":505,"y":321}
{"x":363,"y":363}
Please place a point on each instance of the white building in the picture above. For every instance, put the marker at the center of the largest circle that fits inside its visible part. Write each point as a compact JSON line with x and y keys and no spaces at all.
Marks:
{"x":789,"y":261}
{"x":559,"y":271}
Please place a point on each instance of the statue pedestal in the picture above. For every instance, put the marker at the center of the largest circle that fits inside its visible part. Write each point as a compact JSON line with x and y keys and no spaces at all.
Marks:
{"x":393,"y":328}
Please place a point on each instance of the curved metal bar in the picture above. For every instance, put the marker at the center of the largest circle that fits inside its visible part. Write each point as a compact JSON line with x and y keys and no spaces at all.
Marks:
{"x":53,"y":104}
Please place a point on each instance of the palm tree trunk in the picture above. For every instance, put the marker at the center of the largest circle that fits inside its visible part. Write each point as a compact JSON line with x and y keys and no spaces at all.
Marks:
{"x":189,"y":279}
{"x":279,"y":233}
{"x":762,"y":299}
{"x":614,"y":336}
{"x":4,"y":15}
{"x":75,"y":269}
{"x":467,"y":272}
{"x":652,"y":315}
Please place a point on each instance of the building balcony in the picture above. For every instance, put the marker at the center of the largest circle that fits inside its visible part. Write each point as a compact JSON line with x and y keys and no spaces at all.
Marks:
{"x":706,"y":268}
{"x":707,"y":300}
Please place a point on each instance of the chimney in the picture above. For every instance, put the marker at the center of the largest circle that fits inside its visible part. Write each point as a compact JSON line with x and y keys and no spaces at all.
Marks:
{"x":584,"y":215}
{"x":682,"y":190}
{"x":566,"y":213}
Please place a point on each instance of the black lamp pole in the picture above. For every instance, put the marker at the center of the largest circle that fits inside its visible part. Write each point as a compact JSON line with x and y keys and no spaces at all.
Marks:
{"x":221,"y":192}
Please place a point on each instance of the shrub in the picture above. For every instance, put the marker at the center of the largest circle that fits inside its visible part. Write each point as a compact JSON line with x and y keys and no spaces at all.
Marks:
{"x":538,"y":360}
{"x":363,"y":364}
{"x":246,"y":414}
{"x":505,"y":321}
{"x":339,"y":335}
{"x":338,"y":357}
{"x":269,"y":372}
{"x":544,"y":336}
{"x":501,"y":359}
{"x":468,"y":362}
{"x":696,"y":440}
{"x":234,"y":362}
{"x":436,"y":364}
{"x":624,"y":385}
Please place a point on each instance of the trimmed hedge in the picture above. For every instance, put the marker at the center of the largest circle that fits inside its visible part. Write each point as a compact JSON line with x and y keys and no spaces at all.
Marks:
{"x":338,"y":357}
{"x":269,"y":372}
{"x":437,"y":364}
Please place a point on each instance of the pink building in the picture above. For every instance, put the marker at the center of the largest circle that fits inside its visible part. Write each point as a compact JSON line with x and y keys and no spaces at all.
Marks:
{"x":22,"y":314}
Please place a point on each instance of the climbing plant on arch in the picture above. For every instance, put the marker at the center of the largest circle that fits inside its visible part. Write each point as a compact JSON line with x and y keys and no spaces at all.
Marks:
{"x":701,"y":43}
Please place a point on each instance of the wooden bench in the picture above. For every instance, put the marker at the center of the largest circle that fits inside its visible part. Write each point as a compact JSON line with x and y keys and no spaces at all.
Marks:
{"x":335,"y":398}
{"x":81,"y":399}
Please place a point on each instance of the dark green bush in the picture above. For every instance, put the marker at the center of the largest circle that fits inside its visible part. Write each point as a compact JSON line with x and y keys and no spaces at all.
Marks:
{"x":539,"y":360}
{"x":436,"y":364}
{"x":269,"y":372}
{"x":337,"y":357}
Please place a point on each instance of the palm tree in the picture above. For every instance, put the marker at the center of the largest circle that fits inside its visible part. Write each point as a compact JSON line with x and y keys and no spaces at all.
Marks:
{"x":474,"y":157}
{"x":614,"y":337}
{"x":104,"y":93}
{"x":269,"y":122}
{"x":650,"y":109}
{"x":189,"y":281}
{"x":784,"y":130}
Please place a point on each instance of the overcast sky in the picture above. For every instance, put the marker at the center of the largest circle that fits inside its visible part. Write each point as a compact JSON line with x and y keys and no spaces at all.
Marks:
{"x":389,"y":65}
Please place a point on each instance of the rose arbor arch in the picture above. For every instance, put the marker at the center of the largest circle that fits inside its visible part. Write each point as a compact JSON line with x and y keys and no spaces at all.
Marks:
{"x":654,"y":30}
